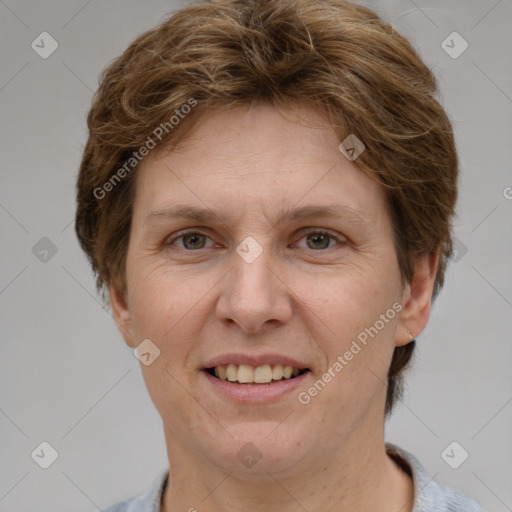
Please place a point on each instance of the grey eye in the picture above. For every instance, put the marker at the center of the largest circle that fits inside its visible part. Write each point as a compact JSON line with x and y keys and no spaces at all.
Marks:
{"x":319,"y":240}
{"x":193,"y":240}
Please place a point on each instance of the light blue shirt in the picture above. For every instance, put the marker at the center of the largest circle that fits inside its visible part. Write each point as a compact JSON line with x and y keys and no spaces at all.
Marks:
{"x":429,"y":496}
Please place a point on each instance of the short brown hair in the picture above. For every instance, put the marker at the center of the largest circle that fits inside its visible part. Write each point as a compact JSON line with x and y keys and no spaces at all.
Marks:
{"x":330,"y":54}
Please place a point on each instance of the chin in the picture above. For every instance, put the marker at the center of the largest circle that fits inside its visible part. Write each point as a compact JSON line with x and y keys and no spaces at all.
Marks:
{"x":258,"y":448}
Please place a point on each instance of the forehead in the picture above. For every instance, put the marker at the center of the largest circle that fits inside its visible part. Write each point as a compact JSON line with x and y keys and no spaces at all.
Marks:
{"x":246,"y":158}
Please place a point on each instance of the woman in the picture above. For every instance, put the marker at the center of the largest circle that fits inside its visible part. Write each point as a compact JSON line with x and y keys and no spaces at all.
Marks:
{"x":266,"y":196}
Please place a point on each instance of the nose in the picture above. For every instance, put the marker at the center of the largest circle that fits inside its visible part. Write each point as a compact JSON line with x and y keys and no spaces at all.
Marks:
{"x":254,"y":295}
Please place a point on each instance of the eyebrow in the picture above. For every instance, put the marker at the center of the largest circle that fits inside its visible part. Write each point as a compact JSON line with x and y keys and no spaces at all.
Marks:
{"x":207,"y":215}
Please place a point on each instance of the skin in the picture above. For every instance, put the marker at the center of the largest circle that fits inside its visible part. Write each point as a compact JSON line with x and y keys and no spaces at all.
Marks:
{"x":301,"y":297}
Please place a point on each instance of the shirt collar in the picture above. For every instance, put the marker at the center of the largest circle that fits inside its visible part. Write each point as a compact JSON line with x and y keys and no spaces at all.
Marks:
{"x":428,"y":494}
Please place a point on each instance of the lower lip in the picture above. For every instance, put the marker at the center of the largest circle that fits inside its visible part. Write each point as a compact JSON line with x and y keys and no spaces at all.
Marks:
{"x":256,"y":393}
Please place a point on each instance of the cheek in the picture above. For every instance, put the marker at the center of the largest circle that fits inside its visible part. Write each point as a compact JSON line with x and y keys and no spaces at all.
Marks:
{"x":354,"y":298}
{"x":358,"y":345}
{"x":360,"y":308}
{"x":164,"y":309}
{"x":163,"y":304}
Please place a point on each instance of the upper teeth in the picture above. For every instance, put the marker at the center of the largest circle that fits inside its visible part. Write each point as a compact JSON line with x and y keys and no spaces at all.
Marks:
{"x":245,"y":373}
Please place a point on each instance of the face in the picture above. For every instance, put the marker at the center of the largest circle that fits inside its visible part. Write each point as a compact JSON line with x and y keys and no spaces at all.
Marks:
{"x":293,"y":264}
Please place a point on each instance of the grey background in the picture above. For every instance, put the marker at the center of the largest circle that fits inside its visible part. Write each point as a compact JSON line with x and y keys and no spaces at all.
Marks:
{"x":67,"y":377}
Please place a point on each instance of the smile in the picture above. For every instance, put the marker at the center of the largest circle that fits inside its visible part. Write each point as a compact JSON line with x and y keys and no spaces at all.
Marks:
{"x":247,"y":374}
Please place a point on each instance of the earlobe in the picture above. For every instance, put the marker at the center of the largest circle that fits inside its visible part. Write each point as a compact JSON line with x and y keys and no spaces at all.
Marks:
{"x":121,"y":313}
{"x":417,"y":299}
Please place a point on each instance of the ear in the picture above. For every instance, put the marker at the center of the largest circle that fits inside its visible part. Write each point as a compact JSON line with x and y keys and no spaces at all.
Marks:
{"x":417,"y":299}
{"x":121,"y":313}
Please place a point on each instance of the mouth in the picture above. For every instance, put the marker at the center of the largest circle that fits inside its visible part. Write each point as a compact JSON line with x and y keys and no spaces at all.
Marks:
{"x":245,"y":374}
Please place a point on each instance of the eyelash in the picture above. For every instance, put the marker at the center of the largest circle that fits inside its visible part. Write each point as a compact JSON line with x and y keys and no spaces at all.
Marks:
{"x":339,"y":240}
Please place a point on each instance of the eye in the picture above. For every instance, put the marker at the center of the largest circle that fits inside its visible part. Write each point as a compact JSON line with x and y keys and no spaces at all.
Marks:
{"x":318,"y":240}
{"x":191,"y":240}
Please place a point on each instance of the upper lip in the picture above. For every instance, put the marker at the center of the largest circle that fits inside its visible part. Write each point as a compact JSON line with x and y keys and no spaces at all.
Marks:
{"x":254,"y":360}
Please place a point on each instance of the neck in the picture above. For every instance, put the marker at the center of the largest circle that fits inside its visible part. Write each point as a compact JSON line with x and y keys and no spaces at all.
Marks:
{"x":358,"y":475}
